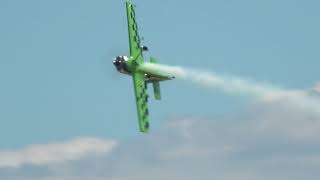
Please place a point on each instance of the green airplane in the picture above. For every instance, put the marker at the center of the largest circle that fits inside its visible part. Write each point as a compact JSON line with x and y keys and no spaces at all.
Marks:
{"x":141,"y":77}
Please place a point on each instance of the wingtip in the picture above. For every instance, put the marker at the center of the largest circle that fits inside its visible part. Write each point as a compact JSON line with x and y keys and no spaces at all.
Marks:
{"x":129,"y":3}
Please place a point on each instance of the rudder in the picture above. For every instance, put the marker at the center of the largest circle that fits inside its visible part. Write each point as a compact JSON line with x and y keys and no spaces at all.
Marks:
{"x":156,"y":90}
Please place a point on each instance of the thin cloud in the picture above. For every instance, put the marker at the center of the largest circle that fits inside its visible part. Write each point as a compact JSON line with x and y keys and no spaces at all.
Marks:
{"x":259,"y":143}
{"x":56,"y":152}
{"x":316,"y":88}
{"x":266,"y":140}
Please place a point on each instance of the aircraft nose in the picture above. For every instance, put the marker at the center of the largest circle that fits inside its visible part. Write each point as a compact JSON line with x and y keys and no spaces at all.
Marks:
{"x":116,"y":62}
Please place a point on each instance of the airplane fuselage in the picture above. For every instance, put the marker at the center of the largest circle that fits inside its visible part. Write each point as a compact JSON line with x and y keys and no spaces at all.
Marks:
{"x":126,"y":66}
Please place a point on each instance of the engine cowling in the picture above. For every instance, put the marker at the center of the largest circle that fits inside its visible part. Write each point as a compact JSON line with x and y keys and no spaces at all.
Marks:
{"x":120,"y":62}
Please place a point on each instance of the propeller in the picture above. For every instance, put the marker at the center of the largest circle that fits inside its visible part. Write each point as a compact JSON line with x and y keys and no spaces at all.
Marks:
{"x":107,"y":60}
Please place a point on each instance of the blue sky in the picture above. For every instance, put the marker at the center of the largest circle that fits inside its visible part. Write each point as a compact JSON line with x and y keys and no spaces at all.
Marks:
{"x":58,"y":81}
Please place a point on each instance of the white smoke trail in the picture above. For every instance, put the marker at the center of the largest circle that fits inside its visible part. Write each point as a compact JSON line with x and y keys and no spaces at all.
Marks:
{"x":235,"y":85}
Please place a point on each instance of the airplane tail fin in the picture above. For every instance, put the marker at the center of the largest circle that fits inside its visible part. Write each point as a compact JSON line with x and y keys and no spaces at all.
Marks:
{"x":153,"y":60}
{"x":156,"y":84}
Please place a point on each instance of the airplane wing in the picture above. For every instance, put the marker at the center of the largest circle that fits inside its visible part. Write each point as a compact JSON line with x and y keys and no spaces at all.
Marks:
{"x":134,"y":39}
{"x":140,"y":85}
{"x":140,"y":89}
